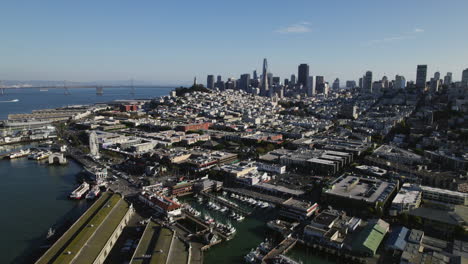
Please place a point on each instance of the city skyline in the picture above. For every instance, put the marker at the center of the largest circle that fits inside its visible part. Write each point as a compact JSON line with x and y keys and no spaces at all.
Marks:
{"x":167,"y":44}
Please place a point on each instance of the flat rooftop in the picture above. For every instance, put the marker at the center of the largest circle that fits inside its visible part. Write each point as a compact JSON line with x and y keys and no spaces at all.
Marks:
{"x":280,"y":189}
{"x":407,"y":195}
{"x":91,"y":249}
{"x":67,"y":237}
{"x":297,"y":204}
{"x":325,"y":218}
{"x":149,"y":250}
{"x":355,"y":187}
{"x":89,"y":234}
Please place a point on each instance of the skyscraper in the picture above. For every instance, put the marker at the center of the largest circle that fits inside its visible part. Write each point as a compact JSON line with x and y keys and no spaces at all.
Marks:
{"x":400,"y":82}
{"x":421,"y":75}
{"x":210,"y":82}
{"x":319,"y":84}
{"x":270,"y":79}
{"x":464,"y":80}
{"x":310,"y":86}
{"x":265,"y":87}
{"x":276,"y":80}
{"x":336,"y":84}
{"x":244,"y":82}
{"x":385,"y":83}
{"x":448,"y":78}
{"x":437,"y":76}
{"x":350,"y":84}
{"x":293,"y":80}
{"x":255,"y":75}
{"x":303,"y":73}
{"x":367,"y":82}
{"x":219,"y":79}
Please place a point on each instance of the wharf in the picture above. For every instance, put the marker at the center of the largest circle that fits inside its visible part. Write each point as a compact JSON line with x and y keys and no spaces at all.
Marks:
{"x":230,"y":205}
{"x":256,"y":195}
{"x":207,"y":228}
{"x":282,"y":248}
{"x":5,"y":155}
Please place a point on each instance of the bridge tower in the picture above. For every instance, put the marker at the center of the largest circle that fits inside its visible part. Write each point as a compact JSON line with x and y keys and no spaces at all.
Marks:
{"x":66,"y":92}
{"x":132,"y":88}
{"x":99,"y":90}
{"x":2,"y":89}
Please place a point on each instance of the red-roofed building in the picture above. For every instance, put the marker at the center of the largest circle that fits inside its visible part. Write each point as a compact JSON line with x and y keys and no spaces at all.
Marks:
{"x":194,"y":127}
{"x":160,"y":203}
{"x":128,"y":108}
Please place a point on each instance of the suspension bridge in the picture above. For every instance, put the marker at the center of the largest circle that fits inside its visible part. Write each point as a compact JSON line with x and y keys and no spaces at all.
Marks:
{"x":66,"y":88}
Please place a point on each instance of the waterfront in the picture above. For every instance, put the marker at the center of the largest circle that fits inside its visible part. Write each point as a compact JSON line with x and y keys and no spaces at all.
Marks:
{"x":33,"y":99}
{"x":35,"y":196}
{"x":305,"y":255}
{"x":250,"y":233}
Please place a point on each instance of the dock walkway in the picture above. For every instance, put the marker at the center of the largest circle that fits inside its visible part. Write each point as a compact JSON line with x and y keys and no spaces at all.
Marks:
{"x":230,"y":205}
{"x":282,"y":248}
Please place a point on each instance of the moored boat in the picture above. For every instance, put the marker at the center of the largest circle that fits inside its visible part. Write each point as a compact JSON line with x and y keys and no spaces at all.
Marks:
{"x":20,"y":154}
{"x":93,"y":193}
{"x":80,"y":191}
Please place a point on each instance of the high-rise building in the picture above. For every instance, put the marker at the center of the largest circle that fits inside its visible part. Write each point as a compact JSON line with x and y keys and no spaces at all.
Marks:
{"x":310,"y":86}
{"x":448,"y":78}
{"x":293,"y":80}
{"x":210,"y":82}
{"x":276,"y":81}
{"x":270,"y":79}
{"x":367,"y":82}
{"x":385,"y":83}
{"x":360,"y":83}
{"x":437,"y":76}
{"x":434,"y":85}
{"x":219,"y":79}
{"x":336,"y":84}
{"x":244,"y":82}
{"x":326,"y":88}
{"x":421,"y":75}
{"x":286,"y":81}
{"x":231,"y":83}
{"x":400,"y":82}
{"x":464,"y":80}
{"x":264,"y":86}
{"x":350,"y":84}
{"x":319,"y":84}
{"x":303,"y":74}
{"x":377,"y":87}
{"x":255,"y":75}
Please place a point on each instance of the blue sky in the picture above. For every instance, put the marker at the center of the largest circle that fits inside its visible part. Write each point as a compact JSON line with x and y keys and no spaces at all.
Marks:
{"x":170,"y":42}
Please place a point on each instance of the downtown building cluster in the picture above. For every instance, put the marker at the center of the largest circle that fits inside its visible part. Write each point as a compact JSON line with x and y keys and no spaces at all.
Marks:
{"x":306,"y":85}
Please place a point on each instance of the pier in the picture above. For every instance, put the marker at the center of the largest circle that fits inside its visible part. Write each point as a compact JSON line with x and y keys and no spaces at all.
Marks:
{"x":281,"y":249}
{"x":256,"y":195}
{"x":207,"y":228}
{"x":232,"y":206}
